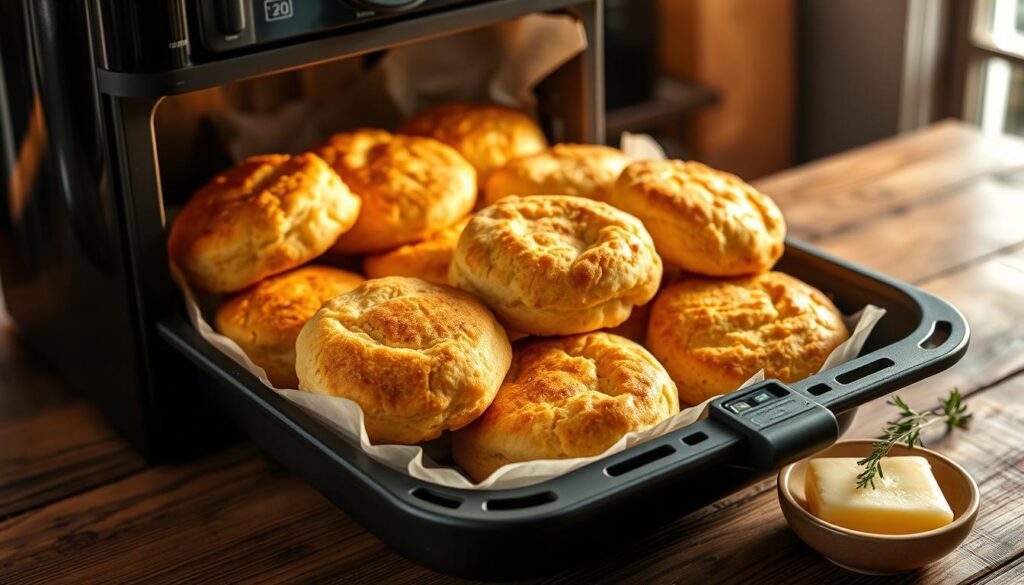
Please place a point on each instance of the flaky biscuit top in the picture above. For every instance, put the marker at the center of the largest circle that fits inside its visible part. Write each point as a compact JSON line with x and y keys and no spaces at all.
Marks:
{"x":418,"y":357}
{"x":714,"y":334}
{"x":488,"y":135}
{"x":268,"y":214}
{"x":265,"y":320}
{"x":273,"y":311}
{"x":705,"y":220}
{"x":563,"y":397}
{"x":558,"y":251}
{"x":596,"y":375}
{"x":583,"y":170}
{"x":706,"y":192}
{"x":410,"y":186}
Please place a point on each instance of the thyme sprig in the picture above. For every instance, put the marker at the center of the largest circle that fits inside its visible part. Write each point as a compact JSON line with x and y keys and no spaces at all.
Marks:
{"x":907,"y":429}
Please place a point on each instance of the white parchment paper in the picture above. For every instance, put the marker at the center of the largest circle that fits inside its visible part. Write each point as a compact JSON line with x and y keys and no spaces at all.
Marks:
{"x":346,"y":417}
{"x":640,"y":147}
{"x":509,"y":60}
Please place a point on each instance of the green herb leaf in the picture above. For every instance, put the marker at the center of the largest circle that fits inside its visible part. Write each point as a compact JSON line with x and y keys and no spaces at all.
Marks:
{"x":907,"y":429}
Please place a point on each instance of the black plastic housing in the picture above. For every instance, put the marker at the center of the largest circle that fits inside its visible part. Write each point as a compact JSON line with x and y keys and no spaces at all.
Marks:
{"x":517,"y":533}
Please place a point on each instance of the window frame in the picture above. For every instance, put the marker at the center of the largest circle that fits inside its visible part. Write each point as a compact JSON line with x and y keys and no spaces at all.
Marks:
{"x":986,"y":47}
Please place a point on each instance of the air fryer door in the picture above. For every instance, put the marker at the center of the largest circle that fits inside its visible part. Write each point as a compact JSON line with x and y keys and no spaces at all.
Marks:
{"x":63,"y":267}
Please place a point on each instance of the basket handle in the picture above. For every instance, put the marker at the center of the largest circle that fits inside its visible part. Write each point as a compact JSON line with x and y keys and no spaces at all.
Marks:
{"x":940,"y":339}
{"x":778,"y":425}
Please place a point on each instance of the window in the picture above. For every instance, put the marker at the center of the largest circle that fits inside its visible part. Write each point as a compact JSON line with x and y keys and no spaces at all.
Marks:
{"x":995,"y":78}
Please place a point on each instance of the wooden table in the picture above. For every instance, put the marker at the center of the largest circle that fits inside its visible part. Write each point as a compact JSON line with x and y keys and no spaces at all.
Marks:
{"x":943,"y":208}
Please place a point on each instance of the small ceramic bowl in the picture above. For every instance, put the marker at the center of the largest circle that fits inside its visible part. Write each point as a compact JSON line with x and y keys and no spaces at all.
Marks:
{"x":881,"y":554}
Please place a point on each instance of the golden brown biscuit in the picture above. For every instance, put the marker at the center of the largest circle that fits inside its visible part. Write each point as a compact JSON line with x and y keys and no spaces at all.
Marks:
{"x":269,"y":214}
{"x":703,"y":220}
{"x":428,"y":259}
{"x":265,"y":320}
{"x":567,"y":397}
{"x":418,"y":357}
{"x":488,"y":135}
{"x":556,"y":265}
{"x":712,"y":335}
{"x":584,"y":170}
{"x":411,"y":187}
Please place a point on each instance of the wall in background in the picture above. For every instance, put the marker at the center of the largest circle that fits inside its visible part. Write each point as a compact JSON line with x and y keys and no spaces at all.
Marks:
{"x":851,"y":57}
{"x":744,"y":51}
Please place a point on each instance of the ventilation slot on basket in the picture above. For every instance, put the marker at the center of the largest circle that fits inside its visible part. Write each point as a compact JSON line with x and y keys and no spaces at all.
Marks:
{"x":818,"y":389}
{"x":694,"y":438}
{"x":941,"y":331}
{"x":436,"y":498}
{"x":865,"y":370}
{"x":519,"y":503}
{"x":639,"y":460}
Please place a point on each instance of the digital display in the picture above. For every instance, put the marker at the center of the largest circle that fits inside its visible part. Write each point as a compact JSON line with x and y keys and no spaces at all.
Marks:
{"x":277,"y":10}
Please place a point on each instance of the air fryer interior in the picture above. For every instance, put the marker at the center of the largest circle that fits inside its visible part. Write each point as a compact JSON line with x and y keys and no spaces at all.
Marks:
{"x":198,"y":134}
{"x":201,"y":133}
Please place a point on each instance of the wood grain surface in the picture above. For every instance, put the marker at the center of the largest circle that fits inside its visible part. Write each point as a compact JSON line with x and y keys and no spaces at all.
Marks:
{"x":943,"y":208}
{"x":52,"y":445}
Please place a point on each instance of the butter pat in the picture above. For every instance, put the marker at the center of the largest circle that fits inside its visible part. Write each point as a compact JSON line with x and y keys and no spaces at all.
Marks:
{"x":906,"y":500}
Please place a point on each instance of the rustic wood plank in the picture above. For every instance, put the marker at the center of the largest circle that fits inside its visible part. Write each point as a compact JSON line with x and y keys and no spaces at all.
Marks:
{"x":51,"y":444}
{"x":1009,"y":574}
{"x":938,"y":234}
{"x":751,"y":543}
{"x":857,"y":186}
{"x":57,"y":453}
{"x":988,"y":294}
{"x":231,"y":516}
{"x":25,"y":386}
{"x":850,"y":170}
{"x":891,"y":206}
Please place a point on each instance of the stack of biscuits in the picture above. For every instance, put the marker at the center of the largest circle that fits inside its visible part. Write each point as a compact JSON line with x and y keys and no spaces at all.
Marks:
{"x":536,"y":302}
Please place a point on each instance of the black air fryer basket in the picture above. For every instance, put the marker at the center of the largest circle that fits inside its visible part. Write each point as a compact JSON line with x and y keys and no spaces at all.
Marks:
{"x":504,"y":534}
{"x":526,"y":531}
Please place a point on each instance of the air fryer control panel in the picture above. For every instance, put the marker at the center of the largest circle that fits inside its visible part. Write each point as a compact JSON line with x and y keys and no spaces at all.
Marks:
{"x":226,"y":25}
